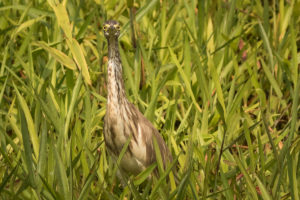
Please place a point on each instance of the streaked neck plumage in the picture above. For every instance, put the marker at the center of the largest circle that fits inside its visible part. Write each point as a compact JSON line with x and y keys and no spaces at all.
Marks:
{"x":115,"y":83}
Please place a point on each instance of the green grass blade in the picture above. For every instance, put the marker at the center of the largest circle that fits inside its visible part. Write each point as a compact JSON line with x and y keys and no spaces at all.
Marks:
{"x":62,"y":176}
{"x":27,"y":149}
{"x":26,"y":25}
{"x":185,"y":79}
{"x":140,"y":178}
{"x":267,"y":44}
{"x":89,"y":179}
{"x":58,"y":55}
{"x":249,"y":182}
{"x":140,"y":14}
{"x":272,"y":80}
{"x":79,"y":58}
{"x":158,"y":156}
{"x":74,"y":97}
{"x":162,"y":178}
{"x":264,"y":192}
{"x":30,"y":123}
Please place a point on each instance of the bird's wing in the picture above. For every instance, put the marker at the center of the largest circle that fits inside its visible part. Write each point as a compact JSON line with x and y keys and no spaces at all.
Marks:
{"x":145,"y":135}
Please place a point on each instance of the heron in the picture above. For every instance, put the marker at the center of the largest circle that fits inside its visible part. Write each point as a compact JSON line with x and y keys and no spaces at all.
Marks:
{"x":123,"y":121}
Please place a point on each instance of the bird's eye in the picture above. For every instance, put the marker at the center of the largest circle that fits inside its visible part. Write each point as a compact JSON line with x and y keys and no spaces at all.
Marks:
{"x":105,"y":28}
{"x":117,"y":27}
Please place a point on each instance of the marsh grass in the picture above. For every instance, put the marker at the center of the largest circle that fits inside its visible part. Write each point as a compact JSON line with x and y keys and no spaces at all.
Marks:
{"x":219,"y":79}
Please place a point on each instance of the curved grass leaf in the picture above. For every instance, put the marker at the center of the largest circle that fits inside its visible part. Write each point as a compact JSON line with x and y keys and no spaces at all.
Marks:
{"x":58,"y":55}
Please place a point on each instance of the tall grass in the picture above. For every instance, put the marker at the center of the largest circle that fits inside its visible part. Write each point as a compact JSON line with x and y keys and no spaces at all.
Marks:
{"x":219,"y":79}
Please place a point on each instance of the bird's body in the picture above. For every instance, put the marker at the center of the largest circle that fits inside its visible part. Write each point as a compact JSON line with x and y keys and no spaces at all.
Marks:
{"x":123,"y":120}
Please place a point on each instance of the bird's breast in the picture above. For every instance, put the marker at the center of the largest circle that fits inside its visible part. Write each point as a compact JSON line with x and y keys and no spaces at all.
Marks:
{"x":114,"y":134}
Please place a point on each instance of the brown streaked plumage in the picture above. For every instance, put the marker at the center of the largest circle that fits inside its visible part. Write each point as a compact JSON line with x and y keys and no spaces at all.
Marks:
{"x":123,"y":120}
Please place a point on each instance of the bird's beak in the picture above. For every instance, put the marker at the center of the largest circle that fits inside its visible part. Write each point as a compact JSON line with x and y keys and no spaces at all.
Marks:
{"x":110,"y":29}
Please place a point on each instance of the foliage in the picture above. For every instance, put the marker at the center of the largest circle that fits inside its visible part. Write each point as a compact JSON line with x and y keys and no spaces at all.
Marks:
{"x":219,"y":79}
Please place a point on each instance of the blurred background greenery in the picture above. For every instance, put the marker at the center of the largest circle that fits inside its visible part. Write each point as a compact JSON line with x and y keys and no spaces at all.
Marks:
{"x":219,"y":79}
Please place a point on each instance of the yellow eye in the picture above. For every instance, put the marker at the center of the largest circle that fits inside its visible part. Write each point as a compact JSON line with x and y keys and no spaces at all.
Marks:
{"x":105,"y":27}
{"x":117,"y":27}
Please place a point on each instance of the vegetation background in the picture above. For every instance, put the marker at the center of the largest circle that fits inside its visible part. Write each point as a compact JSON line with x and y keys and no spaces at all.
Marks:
{"x":219,"y":79}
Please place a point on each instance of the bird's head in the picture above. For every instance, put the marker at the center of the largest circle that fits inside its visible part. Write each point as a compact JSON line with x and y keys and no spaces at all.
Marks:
{"x":111,"y":29}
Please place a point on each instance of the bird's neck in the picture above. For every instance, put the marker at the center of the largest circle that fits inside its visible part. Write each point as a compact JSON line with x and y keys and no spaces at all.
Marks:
{"x":115,"y":83}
